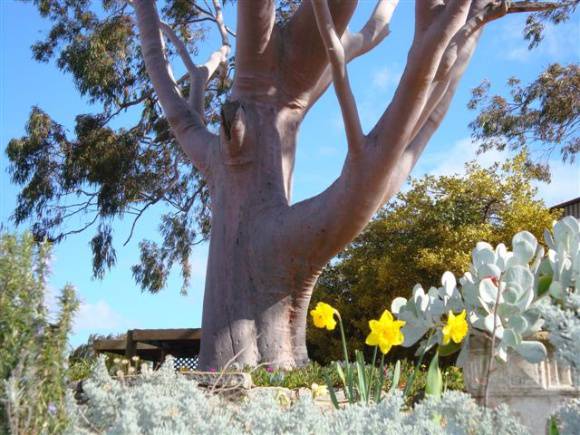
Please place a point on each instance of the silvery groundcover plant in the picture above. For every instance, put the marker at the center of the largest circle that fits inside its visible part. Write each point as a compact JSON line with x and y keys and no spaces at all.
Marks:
{"x":165,"y":402}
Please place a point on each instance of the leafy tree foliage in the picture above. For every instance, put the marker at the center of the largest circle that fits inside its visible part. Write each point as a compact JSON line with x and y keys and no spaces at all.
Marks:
{"x":544,"y":115}
{"x":422,"y":233}
{"x":101,"y":172}
{"x":535,"y":23}
{"x":33,"y":342}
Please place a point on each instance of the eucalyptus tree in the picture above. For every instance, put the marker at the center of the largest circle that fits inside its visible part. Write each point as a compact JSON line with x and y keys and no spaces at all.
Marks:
{"x":219,"y":143}
{"x":543,"y":116}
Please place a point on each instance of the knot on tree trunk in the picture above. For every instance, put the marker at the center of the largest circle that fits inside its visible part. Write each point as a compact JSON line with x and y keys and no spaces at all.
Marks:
{"x":233,"y":133}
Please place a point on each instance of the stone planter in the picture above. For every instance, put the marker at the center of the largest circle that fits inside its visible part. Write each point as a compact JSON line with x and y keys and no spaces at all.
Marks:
{"x":532,"y":391}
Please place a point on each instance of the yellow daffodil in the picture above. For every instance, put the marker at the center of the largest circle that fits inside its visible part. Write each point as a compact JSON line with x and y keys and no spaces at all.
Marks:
{"x":456,"y":328}
{"x":385,"y":332}
{"x":323,"y":316}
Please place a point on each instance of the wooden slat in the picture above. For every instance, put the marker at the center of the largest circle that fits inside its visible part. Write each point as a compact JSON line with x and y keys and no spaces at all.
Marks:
{"x":118,"y":345}
{"x":144,"y":335}
{"x":130,"y":345}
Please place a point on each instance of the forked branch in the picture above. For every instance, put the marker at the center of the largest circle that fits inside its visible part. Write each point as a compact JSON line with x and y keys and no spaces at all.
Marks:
{"x":376,"y":29}
{"x":337,"y":59}
{"x":462,"y":45}
{"x":445,"y":38}
{"x":304,"y":51}
{"x":200,"y":76}
{"x":373,"y":32}
{"x":180,"y":47}
{"x":187,"y":125}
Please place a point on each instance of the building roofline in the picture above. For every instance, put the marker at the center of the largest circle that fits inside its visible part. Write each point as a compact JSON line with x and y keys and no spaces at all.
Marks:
{"x":566,"y":203}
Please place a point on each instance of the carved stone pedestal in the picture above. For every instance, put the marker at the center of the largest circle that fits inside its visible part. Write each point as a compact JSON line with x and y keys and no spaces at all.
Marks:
{"x":532,"y":391}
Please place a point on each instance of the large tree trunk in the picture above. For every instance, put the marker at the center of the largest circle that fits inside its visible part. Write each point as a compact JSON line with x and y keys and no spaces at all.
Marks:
{"x":266,"y":254}
{"x":257,"y":293}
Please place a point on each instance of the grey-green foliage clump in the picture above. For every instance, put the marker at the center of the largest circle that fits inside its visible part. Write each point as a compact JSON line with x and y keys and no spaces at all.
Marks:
{"x":568,"y":418}
{"x":563,"y":323}
{"x":561,"y":311}
{"x":33,"y":345}
{"x":165,"y":402}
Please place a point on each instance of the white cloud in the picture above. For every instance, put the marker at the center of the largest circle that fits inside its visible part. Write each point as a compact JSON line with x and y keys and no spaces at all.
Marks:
{"x":90,"y":318}
{"x":99,"y":317}
{"x":386,"y":77}
{"x":451,"y":160}
{"x":565,"y":182}
{"x":199,"y":266}
{"x":559,"y":42}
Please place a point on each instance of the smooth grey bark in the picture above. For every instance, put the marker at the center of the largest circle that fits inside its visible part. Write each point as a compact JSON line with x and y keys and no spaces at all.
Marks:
{"x":265,"y":252}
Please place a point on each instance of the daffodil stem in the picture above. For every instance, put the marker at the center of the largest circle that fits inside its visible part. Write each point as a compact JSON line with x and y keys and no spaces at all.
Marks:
{"x":347,"y":361}
{"x":373,"y":369}
{"x":381,"y":378}
{"x":343,"y":338}
{"x":414,"y":374}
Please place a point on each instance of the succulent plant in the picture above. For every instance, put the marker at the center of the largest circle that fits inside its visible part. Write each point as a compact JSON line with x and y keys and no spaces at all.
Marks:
{"x":502,"y":293}
{"x":561,"y":267}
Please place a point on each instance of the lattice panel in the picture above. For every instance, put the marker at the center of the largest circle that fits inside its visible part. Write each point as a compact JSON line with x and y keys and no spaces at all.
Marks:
{"x":183,"y":364}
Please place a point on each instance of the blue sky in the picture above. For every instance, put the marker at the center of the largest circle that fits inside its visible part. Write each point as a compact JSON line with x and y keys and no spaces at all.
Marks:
{"x":116,"y":303}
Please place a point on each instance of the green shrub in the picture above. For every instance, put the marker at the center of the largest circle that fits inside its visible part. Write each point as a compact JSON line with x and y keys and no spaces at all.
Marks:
{"x":314,"y":373}
{"x":33,"y":360}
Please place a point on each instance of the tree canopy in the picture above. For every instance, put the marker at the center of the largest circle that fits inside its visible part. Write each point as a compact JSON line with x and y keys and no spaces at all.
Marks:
{"x":100,"y":171}
{"x":425,"y":231}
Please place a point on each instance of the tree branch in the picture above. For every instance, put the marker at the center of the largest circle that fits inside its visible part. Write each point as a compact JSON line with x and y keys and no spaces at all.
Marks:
{"x":211,"y":17}
{"x":208,"y":69}
{"x":200,"y":76}
{"x":221,"y":56}
{"x":336,"y":56}
{"x":185,"y":57}
{"x":219,"y":19}
{"x":462,"y":45}
{"x":187,"y":126}
{"x":356,"y":44}
{"x":139,"y":214}
{"x":180,"y":47}
{"x":434,"y":30}
{"x":253,"y":49}
{"x":433,"y":115}
{"x":373,"y":32}
{"x":528,"y":6}
{"x":304,"y":60}
{"x":456,"y":57}
{"x":436,"y":62}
